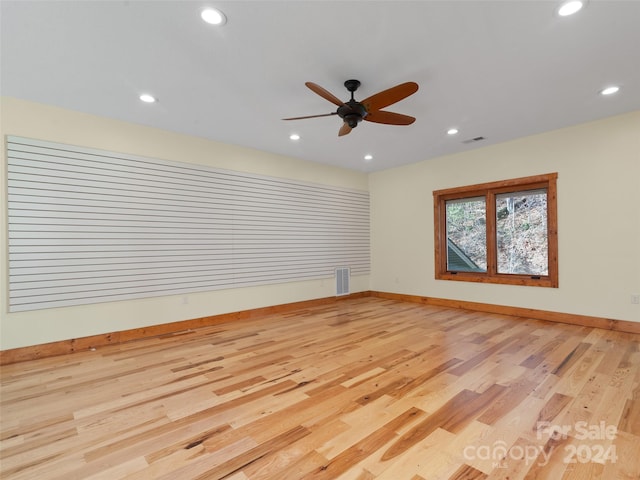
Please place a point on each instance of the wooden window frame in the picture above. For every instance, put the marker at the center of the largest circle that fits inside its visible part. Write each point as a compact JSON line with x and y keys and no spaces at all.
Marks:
{"x":489,"y":192}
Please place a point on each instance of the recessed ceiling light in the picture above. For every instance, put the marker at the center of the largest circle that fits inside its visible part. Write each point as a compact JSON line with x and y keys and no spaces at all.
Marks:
{"x":213,"y":16}
{"x":368,"y":157}
{"x":294,"y":136}
{"x":145,"y":97}
{"x":569,"y":8}
{"x":452,"y":131}
{"x":610,"y":90}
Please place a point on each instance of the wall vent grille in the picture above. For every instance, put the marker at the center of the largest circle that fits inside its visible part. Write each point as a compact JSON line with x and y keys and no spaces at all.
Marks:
{"x":342,"y":281}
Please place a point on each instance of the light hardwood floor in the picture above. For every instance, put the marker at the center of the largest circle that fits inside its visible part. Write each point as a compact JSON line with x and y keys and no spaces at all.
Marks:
{"x":362,"y":389}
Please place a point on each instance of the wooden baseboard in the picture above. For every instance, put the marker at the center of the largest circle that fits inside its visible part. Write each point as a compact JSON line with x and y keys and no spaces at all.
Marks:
{"x":82,"y":344}
{"x":571,"y":318}
{"x":85,"y":343}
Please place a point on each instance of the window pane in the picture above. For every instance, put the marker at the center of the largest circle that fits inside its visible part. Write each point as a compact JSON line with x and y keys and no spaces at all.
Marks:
{"x":466,"y":235}
{"x":521,"y":231}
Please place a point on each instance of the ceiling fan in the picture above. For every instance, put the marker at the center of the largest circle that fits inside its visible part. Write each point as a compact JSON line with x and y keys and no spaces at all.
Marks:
{"x":369,"y":109}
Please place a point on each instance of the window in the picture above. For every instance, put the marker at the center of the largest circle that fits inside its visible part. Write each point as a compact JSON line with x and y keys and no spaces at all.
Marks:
{"x":499,"y":232}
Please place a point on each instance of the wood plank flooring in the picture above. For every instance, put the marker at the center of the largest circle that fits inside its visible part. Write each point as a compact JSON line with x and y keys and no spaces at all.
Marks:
{"x":361,"y":389}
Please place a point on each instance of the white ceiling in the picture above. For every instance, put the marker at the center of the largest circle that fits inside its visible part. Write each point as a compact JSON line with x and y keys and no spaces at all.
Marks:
{"x":498,"y":69}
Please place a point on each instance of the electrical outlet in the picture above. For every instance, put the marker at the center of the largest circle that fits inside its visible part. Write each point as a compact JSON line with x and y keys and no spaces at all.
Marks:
{"x":635,"y":299}
{"x":185,"y":300}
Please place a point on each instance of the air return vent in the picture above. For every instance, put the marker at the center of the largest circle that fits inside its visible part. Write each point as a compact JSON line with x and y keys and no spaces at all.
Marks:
{"x":473,"y":140}
{"x":342,"y":281}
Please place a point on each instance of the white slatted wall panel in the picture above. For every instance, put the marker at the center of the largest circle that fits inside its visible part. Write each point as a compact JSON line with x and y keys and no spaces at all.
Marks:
{"x":88,"y":226}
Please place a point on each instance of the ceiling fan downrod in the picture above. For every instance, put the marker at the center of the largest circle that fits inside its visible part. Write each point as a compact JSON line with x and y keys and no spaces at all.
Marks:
{"x":352,"y":112}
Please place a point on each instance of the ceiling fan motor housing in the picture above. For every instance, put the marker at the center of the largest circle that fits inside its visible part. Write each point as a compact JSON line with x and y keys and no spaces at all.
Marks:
{"x":352,"y":113}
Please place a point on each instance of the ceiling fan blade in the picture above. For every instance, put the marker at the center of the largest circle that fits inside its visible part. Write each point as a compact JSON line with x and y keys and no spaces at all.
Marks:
{"x":389,"y":96}
{"x":344,"y":129}
{"x":389,"y":118}
{"x":325,"y":94}
{"x":312,"y":116}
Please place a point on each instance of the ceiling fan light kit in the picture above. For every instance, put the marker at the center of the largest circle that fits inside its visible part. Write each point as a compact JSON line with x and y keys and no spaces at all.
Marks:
{"x":353,"y":112}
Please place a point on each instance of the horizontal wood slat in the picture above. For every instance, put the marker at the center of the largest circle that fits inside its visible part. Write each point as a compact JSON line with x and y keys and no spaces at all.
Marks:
{"x":87,"y":226}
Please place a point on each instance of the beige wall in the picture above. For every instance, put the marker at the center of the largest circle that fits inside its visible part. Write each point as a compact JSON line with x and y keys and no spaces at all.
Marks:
{"x":598,"y":209}
{"x":598,"y":167}
{"x":54,"y":124}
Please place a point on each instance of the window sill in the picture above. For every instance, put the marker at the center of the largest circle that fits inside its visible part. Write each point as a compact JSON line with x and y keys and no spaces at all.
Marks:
{"x":526,"y":280}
